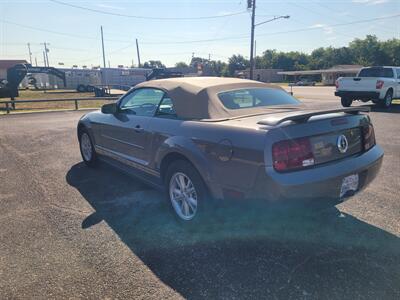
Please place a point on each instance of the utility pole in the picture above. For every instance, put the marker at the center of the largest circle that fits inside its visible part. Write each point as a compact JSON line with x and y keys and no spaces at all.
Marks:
{"x":138,"y":53}
{"x":255,"y":53}
{"x":46,"y":50}
{"x":44,"y":59}
{"x":252,"y":4}
{"x":30,"y":53}
{"x":102,"y":46}
{"x":253,"y":17}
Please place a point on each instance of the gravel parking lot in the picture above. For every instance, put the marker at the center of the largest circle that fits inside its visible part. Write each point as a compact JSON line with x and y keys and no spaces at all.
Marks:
{"x":68,"y":231}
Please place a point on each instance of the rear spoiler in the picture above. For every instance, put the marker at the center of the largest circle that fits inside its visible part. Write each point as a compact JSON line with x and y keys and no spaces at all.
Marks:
{"x":302,"y":117}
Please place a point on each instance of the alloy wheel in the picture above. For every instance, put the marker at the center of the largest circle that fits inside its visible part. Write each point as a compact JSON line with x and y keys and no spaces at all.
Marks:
{"x":86,"y":147}
{"x":183,"y":196}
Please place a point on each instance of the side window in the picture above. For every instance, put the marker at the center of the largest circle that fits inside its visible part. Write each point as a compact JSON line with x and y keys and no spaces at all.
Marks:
{"x":398,"y":73}
{"x":142,"y":102}
{"x":388,"y":73}
{"x":166,"y":109}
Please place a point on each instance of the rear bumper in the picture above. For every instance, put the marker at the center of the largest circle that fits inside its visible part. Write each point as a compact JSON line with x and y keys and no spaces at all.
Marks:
{"x":322,"y":182}
{"x":358,"y":95}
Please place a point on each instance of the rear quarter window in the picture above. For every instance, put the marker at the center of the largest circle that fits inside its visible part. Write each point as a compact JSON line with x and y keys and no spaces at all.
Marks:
{"x":255,"y":97}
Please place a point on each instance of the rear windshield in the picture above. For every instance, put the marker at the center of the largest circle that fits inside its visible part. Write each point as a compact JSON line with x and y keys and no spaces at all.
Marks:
{"x":376,"y":72}
{"x":256,"y":97}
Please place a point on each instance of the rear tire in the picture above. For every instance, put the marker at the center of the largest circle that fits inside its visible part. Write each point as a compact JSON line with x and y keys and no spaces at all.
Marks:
{"x":346,"y":102}
{"x":86,"y":147}
{"x":186,"y":191}
{"x":387,"y":101}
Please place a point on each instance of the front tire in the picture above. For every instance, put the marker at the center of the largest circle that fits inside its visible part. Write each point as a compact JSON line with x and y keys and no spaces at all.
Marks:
{"x":87,"y":149}
{"x":387,"y":101}
{"x":346,"y":102}
{"x":185,"y":190}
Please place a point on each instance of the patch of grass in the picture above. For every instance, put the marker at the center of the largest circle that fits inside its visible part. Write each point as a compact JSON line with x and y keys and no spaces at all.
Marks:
{"x":53,"y":94}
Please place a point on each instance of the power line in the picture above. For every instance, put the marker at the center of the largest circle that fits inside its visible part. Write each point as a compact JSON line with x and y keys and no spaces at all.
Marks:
{"x":354,"y":17}
{"x":309,"y":10}
{"x":47,"y":30}
{"x":243,"y":36}
{"x":59,"y":33}
{"x":146,"y":17}
{"x":333,"y":25}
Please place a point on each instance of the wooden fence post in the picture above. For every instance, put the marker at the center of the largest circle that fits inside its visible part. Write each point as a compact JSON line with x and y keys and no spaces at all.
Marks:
{"x":76,"y":105}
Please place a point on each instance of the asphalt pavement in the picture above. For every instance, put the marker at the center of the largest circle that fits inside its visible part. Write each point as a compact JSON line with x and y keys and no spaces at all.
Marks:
{"x":67,"y":231}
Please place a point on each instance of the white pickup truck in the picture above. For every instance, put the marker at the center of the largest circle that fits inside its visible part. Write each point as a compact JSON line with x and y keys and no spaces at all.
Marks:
{"x":378,"y":84}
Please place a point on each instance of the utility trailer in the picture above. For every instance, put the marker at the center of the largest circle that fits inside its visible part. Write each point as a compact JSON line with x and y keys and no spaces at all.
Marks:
{"x":15,"y":74}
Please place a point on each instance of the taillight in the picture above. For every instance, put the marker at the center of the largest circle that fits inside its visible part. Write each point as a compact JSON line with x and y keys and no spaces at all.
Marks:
{"x":369,"y":137}
{"x":379,"y":84}
{"x":337,"y":84}
{"x":292,"y":154}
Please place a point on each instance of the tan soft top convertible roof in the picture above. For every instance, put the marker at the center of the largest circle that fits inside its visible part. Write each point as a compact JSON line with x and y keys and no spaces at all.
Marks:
{"x":197,"y":97}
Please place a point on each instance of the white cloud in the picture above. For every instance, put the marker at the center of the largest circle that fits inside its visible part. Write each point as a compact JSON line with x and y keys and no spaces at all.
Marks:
{"x":225,"y":12}
{"x":344,"y":13}
{"x":332,"y":38}
{"x":370,"y":2}
{"x":317,"y":25}
{"x":326,"y":28}
{"x":109,"y":6}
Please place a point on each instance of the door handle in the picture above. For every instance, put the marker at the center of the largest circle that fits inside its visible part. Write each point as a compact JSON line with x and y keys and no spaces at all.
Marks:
{"x":138,"y":129}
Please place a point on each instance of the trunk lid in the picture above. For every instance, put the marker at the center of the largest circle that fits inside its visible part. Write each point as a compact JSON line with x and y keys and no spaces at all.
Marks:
{"x":330,"y":135}
{"x":327,"y":147}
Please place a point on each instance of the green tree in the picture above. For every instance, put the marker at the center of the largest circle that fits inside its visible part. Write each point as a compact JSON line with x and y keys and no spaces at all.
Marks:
{"x":391,"y":52}
{"x":236,"y":63}
{"x":181,"y":64}
{"x":196,"y":61}
{"x":152,"y":64}
{"x":218,"y":67}
{"x":367,"y":51}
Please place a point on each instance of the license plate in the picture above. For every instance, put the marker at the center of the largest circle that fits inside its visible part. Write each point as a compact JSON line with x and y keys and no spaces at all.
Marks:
{"x":349,"y":183}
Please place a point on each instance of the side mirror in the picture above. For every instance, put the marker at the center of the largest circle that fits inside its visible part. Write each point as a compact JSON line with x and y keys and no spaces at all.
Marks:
{"x":109,"y":108}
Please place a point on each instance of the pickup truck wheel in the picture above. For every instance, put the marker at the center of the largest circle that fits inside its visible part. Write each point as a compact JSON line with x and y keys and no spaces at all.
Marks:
{"x":81,"y":88}
{"x":387,"y":101}
{"x":87,"y":150}
{"x":185,"y":190}
{"x":346,"y":102}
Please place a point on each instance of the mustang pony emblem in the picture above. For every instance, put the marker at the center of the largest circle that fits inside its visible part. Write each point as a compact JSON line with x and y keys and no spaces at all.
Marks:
{"x":342,"y":143}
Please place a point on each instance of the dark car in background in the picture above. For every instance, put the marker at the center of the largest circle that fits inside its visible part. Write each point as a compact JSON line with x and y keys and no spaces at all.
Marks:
{"x":303,"y":82}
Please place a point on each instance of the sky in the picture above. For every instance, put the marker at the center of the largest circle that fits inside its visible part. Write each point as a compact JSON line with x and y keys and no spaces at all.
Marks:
{"x":171,"y":31}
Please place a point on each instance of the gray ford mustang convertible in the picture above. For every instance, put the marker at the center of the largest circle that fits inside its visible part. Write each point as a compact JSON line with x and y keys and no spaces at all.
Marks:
{"x":224,"y":138}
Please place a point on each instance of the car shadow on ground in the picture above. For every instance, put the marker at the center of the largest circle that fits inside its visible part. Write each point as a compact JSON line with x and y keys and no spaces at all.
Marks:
{"x":393,"y":109}
{"x":244,"y":250}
